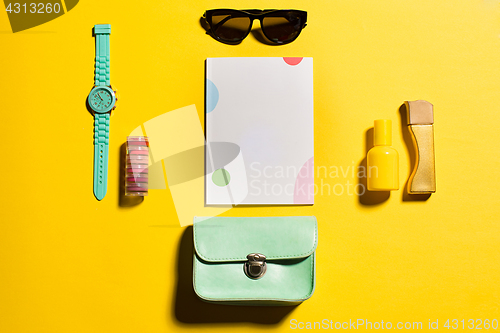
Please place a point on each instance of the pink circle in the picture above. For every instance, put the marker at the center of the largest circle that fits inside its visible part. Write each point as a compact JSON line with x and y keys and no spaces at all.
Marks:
{"x":292,"y":61}
{"x":304,"y":184}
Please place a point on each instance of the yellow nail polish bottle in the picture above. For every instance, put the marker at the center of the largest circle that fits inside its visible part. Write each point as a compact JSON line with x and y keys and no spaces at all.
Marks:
{"x":382,"y":160}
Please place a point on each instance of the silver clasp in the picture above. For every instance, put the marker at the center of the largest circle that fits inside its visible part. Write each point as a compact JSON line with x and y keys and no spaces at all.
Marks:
{"x":256,"y":266}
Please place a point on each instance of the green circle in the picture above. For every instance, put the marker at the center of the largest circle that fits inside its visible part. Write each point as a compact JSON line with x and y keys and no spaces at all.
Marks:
{"x":221,"y":177}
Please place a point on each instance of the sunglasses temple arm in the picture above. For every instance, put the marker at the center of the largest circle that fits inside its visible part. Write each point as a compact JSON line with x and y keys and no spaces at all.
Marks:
{"x":216,"y":26}
{"x":208,"y":24}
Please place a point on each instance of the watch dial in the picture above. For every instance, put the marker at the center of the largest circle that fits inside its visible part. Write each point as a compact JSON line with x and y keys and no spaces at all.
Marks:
{"x":101,"y":99}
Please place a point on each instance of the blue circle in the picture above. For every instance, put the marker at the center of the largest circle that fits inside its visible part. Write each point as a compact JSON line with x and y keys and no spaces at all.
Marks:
{"x":212,"y":96}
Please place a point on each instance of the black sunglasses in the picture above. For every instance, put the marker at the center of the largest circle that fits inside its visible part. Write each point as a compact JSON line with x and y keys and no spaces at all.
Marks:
{"x":280,"y":26}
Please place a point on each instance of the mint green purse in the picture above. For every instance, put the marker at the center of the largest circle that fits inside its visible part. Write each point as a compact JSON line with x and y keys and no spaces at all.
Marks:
{"x":255,"y":260}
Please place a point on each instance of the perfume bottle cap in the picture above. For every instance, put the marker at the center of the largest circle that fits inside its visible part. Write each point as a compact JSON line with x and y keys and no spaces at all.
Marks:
{"x":382,"y":132}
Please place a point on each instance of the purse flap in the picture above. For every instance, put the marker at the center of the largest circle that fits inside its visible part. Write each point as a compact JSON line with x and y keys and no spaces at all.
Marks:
{"x":222,"y":239}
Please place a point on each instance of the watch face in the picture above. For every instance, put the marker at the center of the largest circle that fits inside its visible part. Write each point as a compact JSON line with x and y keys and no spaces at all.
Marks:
{"x":101,"y":99}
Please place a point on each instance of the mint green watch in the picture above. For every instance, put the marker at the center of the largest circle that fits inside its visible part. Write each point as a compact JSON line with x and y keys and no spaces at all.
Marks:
{"x":102,"y":99}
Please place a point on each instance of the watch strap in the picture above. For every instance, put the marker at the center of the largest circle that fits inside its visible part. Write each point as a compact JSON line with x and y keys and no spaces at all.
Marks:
{"x":102,"y":54}
{"x":101,"y":147}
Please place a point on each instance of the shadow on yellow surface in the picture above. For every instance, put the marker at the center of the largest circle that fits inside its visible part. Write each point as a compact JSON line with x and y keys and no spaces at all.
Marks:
{"x":187,"y":308}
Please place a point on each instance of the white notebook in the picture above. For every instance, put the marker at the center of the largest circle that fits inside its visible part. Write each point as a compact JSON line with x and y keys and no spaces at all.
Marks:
{"x":259,"y":131}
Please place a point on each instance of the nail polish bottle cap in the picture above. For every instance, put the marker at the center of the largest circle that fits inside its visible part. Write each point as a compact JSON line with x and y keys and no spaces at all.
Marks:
{"x":382,"y":132}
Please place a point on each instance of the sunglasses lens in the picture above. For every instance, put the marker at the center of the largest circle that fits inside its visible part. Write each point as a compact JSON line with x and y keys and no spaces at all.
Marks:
{"x":229,"y":28}
{"x":282,"y":29}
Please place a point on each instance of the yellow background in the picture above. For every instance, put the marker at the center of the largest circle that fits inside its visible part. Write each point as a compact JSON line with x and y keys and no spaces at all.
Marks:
{"x":72,"y":264}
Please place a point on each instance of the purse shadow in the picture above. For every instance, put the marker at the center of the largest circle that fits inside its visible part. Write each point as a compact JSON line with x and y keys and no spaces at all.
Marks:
{"x":188,"y":308}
